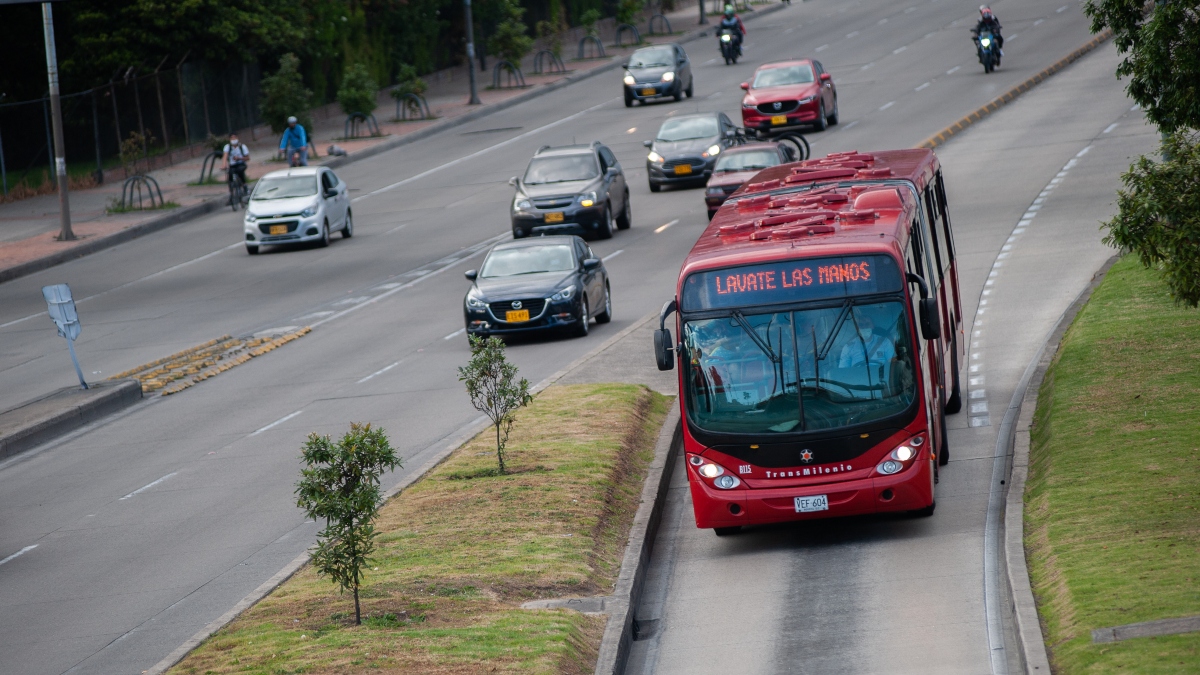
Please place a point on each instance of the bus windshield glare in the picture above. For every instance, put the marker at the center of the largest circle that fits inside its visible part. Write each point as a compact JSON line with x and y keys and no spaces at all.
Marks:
{"x":799,"y":371}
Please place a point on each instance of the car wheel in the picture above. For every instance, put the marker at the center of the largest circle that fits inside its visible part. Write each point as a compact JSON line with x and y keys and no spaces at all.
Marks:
{"x":678,"y":95}
{"x":628,"y":100}
{"x":833,"y":119}
{"x":711,"y":214}
{"x":822,"y":122}
{"x":606,"y":315}
{"x":654,"y":187}
{"x":625,"y":220}
{"x":944,"y":451}
{"x":324,"y":235}
{"x":689,"y":90}
{"x":606,"y":224}
{"x":348,"y":228}
{"x":581,"y":329}
{"x":252,"y":250}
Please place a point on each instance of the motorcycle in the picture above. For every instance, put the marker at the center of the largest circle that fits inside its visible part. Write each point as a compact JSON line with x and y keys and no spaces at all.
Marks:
{"x":729,"y":45}
{"x":986,"y":49}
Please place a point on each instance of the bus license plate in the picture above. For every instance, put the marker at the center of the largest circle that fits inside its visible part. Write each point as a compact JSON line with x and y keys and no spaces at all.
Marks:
{"x":812,"y":503}
{"x":519,"y":315}
{"x":779,"y":119}
{"x":648,"y":92}
{"x":683,"y":169}
{"x":554,"y":217}
{"x":279,"y":229}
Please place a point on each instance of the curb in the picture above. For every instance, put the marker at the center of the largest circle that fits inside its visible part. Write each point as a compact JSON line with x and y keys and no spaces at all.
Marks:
{"x":1010,"y":95}
{"x":189,"y":212}
{"x":1015,"y":437}
{"x":108,"y":397}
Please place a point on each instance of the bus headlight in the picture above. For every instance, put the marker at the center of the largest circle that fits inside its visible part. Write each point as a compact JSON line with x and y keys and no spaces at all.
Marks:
{"x":726,"y":482}
{"x":903,"y":453}
{"x":889,"y":467}
{"x":710,"y":470}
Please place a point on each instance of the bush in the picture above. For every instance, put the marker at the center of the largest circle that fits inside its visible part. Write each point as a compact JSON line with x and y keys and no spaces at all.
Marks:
{"x":627,"y":11}
{"x":494,"y":388}
{"x":407,"y":82}
{"x":510,"y":41}
{"x":588,"y":21}
{"x":550,"y":37}
{"x":358,"y":90}
{"x":284,"y":95}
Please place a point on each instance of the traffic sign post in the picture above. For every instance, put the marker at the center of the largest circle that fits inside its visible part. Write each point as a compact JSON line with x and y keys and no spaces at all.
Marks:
{"x":61,"y":308}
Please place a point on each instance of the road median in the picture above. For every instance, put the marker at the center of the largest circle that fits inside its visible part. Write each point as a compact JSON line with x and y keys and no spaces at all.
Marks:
{"x":62,"y":412}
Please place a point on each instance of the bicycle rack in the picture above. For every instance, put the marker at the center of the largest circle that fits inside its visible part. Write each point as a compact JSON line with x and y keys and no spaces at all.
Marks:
{"x":627,"y":28}
{"x":416,"y":104}
{"x":597,"y":51}
{"x":353,"y":120}
{"x":210,"y":164}
{"x":544,"y":58}
{"x":663,"y":21}
{"x":513,"y":77}
{"x":133,"y":188}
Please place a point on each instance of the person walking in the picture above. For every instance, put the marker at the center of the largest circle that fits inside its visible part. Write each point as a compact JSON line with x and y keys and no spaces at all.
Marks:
{"x":294,"y":143}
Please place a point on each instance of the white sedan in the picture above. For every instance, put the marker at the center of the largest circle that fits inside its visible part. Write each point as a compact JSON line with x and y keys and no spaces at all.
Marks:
{"x":297,"y":205}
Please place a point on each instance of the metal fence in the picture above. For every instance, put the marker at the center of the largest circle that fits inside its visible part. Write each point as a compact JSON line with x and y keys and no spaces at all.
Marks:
{"x":172,"y":107}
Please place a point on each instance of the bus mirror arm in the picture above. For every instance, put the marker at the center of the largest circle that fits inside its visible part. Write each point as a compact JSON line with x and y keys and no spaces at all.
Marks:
{"x":664,"y":346}
{"x":931,"y":327}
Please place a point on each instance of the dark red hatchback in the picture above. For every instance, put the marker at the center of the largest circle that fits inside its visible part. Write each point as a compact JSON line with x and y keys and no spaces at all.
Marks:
{"x":739,"y":164}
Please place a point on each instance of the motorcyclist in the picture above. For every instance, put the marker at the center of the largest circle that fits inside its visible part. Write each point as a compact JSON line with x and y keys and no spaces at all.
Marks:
{"x":989,"y":22}
{"x":734,"y":23}
{"x":234,"y":158}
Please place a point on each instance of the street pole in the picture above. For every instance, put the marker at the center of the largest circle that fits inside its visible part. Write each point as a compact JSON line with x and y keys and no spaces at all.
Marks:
{"x":703,"y":20}
{"x":471,"y":54}
{"x":60,"y":162}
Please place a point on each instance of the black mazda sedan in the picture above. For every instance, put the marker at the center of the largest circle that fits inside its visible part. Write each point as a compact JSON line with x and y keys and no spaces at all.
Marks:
{"x":538,"y":284}
{"x":686,"y":148}
{"x":574,"y":189}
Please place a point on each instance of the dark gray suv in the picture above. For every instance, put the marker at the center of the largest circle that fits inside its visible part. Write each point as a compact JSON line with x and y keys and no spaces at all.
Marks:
{"x":574,"y":189}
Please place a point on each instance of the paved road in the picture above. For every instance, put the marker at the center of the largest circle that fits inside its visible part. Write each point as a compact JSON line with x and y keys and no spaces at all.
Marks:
{"x":152,"y":524}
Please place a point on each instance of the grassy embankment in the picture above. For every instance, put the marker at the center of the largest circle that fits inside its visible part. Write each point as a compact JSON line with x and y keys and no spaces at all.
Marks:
{"x":460,"y":551}
{"x":1112,"y":526}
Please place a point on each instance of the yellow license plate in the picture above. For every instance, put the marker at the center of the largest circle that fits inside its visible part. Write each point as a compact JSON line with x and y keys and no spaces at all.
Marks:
{"x":516,"y":315}
{"x":648,"y":92}
{"x":683,"y":169}
{"x":779,"y":119}
{"x":279,"y":229}
{"x":554,"y":217}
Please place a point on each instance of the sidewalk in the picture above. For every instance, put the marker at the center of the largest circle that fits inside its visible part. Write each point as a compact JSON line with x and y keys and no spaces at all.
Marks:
{"x":28,"y":228}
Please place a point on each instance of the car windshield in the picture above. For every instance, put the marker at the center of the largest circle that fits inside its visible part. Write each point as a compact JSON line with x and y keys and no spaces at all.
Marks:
{"x":777,"y":77}
{"x":654,"y":57}
{"x":283,"y":187}
{"x":688,"y":128}
{"x":561,"y":169}
{"x":800,"y":371}
{"x":507,"y":262}
{"x":748,"y":161}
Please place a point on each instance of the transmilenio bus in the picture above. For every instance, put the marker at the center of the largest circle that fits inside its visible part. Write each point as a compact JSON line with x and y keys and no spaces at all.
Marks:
{"x":820,"y":332}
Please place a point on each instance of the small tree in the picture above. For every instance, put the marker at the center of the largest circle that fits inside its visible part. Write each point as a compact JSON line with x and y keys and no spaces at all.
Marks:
{"x":510,"y":41}
{"x":493,"y":388}
{"x":340,"y":483}
{"x":627,"y":11}
{"x":358,"y":90}
{"x":588,"y":20}
{"x":284,"y":95}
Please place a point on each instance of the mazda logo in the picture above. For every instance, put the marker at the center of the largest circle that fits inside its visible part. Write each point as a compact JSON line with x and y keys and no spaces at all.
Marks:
{"x":778,"y":105}
{"x":516,"y":304}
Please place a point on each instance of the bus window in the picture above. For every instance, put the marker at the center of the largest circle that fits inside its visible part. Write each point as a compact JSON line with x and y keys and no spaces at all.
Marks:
{"x":939,"y":238}
{"x":940,"y":193}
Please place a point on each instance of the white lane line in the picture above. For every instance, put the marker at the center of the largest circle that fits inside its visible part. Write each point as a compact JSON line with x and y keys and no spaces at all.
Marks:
{"x":1012,"y":37}
{"x":713,"y":95}
{"x":910,"y":9}
{"x":821,"y":48}
{"x":1135,"y":107}
{"x":851,"y":35}
{"x":1062,"y":9}
{"x":1039,"y":21}
{"x":789,"y":31}
{"x":397,"y":228}
{"x":887,"y":105}
{"x":488,"y":149}
{"x":20,"y":553}
{"x":159,"y":273}
{"x":612,"y":255}
{"x":709,"y":62}
{"x":1110,"y":127}
{"x":380,"y":371}
{"x":867,"y":66}
{"x":277,"y":422}
{"x":455,"y":334}
{"x":630,"y":130}
{"x":881,"y":22}
{"x":1083,"y":152}
{"x":147,"y":486}
{"x":952,"y":70}
{"x":663,"y":227}
{"x":922,"y":87}
{"x":849,"y":126}
{"x":899,"y":49}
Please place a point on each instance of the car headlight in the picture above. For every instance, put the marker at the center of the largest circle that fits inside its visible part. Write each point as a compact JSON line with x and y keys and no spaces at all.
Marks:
{"x":713,"y":151}
{"x":587,"y":199}
{"x":629,"y":79}
{"x":985,"y":42}
{"x":475,"y":302}
{"x":654,"y":157}
{"x":714,"y":191}
{"x":310,"y":211}
{"x":250,"y":217}
{"x":522,"y":204}
{"x":564,"y":294}
{"x":668,"y":76}
{"x":807,"y":99}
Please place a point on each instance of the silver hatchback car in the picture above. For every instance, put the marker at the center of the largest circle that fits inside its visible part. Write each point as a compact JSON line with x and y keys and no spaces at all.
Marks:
{"x":297,"y":205}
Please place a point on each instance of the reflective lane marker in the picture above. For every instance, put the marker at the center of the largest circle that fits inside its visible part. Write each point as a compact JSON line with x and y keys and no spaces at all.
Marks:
{"x":887,"y":105}
{"x":272,"y":425}
{"x":455,"y":334}
{"x":821,"y":48}
{"x":921,"y":87}
{"x":20,"y":553}
{"x":148,"y":485}
{"x":663,"y":227}
{"x":612,"y":255}
{"x":379,"y":372}
{"x":952,"y":70}
{"x":1110,"y":127}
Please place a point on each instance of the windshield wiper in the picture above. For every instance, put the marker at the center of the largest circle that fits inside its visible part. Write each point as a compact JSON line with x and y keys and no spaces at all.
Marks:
{"x":763,"y":346}
{"x":837,"y":326}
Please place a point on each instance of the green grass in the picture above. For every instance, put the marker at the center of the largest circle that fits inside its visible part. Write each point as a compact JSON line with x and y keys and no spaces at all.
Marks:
{"x":460,"y":550}
{"x":1112,"y":526}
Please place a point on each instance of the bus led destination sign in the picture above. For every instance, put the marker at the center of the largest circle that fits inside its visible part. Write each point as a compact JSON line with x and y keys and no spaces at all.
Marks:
{"x":791,"y":281}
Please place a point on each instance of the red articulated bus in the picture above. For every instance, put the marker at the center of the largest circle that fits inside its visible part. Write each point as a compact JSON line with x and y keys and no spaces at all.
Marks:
{"x":820,"y":332}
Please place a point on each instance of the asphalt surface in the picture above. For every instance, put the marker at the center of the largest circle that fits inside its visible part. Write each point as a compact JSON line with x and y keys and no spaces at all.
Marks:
{"x":139,"y":531}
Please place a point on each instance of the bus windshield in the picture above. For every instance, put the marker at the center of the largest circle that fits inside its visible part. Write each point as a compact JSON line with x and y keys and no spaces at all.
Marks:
{"x":799,"y":371}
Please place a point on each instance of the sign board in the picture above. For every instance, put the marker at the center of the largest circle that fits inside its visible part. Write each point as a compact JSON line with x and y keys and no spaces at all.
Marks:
{"x":61,"y":308}
{"x":791,"y":281}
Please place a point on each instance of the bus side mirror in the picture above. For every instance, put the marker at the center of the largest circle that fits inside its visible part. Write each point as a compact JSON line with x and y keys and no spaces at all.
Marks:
{"x":931,"y":327}
{"x":664,"y":349}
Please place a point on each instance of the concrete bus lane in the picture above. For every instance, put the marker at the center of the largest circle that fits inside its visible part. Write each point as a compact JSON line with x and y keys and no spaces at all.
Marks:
{"x":1028,"y":187}
{"x":152,"y":524}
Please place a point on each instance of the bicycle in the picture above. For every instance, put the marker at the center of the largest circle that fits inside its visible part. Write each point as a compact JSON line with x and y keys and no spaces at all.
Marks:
{"x":238,"y":194}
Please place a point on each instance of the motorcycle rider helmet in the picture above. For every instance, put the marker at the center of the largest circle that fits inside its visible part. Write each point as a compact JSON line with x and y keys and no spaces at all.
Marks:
{"x":985,"y":12}
{"x":729,"y":11}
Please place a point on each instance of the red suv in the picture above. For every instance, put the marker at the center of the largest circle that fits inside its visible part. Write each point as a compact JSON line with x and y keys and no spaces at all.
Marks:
{"x":788,"y":94}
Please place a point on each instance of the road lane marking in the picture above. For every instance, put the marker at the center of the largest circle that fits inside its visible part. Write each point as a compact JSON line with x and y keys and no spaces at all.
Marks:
{"x":897,"y":50}
{"x":867,"y":66}
{"x":1035,"y":23}
{"x":20,"y":553}
{"x":1062,"y":9}
{"x":821,"y":48}
{"x":148,"y":486}
{"x":380,"y":371}
{"x":486,"y":150}
{"x":630,"y":130}
{"x":921,"y":87}
{"x":1110,"y":127}
{"x":1081,"y":153}
{"x":851,"y":35}
{"x":953,"y":70}
{"x":887,"y":105}
{"x":276,"y":423}
{"x":850,"y":126}
{"x":663,"y":227}
{"x":612,"y":255}
{"x":455,"y":334}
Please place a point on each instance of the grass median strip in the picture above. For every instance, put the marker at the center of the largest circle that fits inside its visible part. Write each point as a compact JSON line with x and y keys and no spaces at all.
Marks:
{"x":461,"y":549}
{"x":1112,"y":524}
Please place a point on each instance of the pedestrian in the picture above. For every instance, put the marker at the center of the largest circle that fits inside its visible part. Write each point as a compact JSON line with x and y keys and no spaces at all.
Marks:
{"x":294,"y":143}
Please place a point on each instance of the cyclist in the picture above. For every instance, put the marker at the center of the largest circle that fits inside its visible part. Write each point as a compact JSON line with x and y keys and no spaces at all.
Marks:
{"x":294,"y":143}
{"x":234,"y":159}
